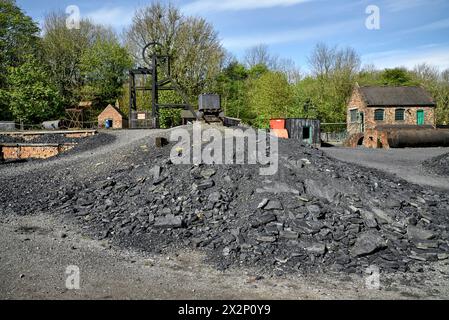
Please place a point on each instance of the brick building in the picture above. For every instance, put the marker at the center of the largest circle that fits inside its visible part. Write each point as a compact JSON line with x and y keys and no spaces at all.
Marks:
{"x":372,"y":111}
{"x":113,"y":118}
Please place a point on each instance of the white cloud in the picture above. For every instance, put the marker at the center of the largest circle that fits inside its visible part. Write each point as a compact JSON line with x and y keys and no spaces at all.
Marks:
{"x":115,"y":17}
{"x":437,"y":25}
{"x":431,"y":54}
{"x":401,"y":5}
{"x":200,"y":6}
{"x":287,"y":36}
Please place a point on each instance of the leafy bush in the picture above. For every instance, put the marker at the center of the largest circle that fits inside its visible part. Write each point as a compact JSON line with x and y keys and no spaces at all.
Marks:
{"x":32,"y":97}
{"x":169,"y":118}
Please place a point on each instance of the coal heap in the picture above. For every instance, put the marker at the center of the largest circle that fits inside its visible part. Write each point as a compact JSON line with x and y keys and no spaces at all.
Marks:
{"x":315,"y":214}
{"x":438,"y":165}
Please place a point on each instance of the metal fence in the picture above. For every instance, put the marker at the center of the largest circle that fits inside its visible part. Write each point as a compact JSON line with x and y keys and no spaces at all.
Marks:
{"x":63,"y":124}
{"x":141,"y":120}
{"x":334,"y":132}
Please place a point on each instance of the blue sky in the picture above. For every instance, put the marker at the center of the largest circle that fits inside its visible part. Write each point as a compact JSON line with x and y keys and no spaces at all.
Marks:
{"x":411,"y":31}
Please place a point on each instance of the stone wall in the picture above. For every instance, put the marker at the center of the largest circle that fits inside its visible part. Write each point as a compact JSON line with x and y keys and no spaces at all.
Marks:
{"x":18,"y":151}
{"x":356,"y":102}
{"x":410,"y":115}
{"x":376,"y":139}
{"x":353,"y":140}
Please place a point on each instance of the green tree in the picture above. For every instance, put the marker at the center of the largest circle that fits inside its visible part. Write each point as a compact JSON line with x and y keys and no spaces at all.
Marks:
{"x":192,"y":42}
{"x":63,"y":50}
{"x":441,"y":96}
{"x":270,"y":96}
{"x":437,"y":83}
{"x":33,"y":98}
{"x":306,"y":93}
{"x":319,"y":99}
{"x":369,"y":76}
{"x":325,"y":93}
{"x":169,"y":117}
{"x":258,"y":70}
{"x":18,"y":39}
{"x":103,"y":68}
{"x":231,"y":86}
{"x":397,"y":77}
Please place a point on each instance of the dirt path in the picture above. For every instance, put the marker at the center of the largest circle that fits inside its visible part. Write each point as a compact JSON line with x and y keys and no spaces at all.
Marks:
{"x":404,"y":163}
{"x":36,"y":250}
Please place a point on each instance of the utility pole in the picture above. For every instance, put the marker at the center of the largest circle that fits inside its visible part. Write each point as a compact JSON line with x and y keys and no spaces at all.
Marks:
{"x":155,"y":91}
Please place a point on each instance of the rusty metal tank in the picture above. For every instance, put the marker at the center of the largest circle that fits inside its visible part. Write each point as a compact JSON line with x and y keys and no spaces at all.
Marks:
{"x":418,"y":138}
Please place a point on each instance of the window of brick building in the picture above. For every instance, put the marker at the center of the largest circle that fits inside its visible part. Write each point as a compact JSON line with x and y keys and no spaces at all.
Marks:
{"x":354,"y":114}
{"x":399,"y":115}
{"x":379,"y":114}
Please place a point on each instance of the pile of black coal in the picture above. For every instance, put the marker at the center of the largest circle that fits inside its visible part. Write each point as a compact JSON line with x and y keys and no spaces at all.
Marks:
{"x":438,"y":165}
{"x":314,"y":214}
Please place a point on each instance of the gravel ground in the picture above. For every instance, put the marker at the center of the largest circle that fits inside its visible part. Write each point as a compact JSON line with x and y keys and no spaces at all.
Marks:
{"x":353,"y":233}
{"x":404,"y":163}
{"x":36,"y":250}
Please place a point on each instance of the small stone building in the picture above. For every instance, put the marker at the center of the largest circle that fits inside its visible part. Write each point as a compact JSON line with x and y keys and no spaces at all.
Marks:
{"x":374,"y":111}
{"x":112,"y":118}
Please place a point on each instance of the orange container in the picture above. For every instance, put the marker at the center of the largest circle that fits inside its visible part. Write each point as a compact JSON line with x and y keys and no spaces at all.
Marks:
{"x":280,"y":133}
{"x":277,"y":124}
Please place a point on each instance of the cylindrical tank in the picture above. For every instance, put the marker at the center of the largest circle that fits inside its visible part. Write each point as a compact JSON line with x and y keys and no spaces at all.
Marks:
{"x":418,"y":138}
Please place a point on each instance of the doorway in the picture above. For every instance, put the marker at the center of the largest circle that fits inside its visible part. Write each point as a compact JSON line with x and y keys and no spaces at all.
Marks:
{"x":362,"y":121}
{"x":307,"y":134}
{"x":420,"y":117}
{"x":109,"y":124}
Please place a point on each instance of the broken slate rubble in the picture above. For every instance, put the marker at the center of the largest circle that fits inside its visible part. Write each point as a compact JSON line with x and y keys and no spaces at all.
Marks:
{"x":322,"y":216}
